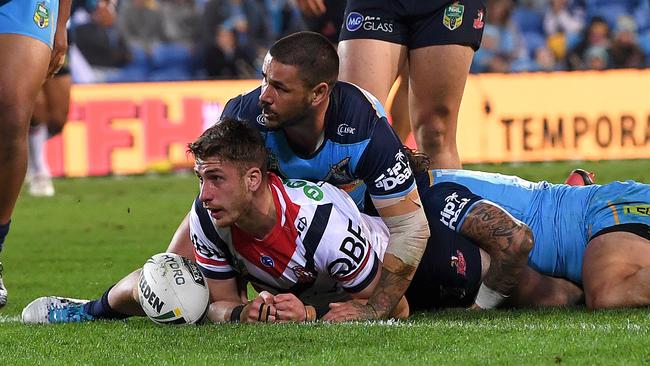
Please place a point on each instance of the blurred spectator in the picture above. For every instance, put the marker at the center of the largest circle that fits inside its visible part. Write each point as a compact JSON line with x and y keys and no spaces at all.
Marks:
{"x":181,"y":21}
{"x":141,"y":24}
{"x":596,"y":34}
{"x":99,"y":49}
{"x":225,"y":59}
{"x":503,"y":48}
{"x":625,"y":50}
{"x":596,"y":58}
{"x":544,"y":60}
{"x":559,"y":18}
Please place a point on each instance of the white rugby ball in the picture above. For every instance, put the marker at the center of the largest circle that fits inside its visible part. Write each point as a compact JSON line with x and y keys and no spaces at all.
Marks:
{"x":172,"y":290}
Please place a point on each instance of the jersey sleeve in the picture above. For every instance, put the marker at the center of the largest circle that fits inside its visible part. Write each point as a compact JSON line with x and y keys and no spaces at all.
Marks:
{"x":210,"y":251}
{"x":346,"y":254}
{"x":384,"y":165}
{"x":450,"y":204}
{"x":233,"y":108}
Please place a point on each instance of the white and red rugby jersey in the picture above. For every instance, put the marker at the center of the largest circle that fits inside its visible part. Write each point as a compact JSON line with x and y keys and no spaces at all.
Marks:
{"x":321,"y":244}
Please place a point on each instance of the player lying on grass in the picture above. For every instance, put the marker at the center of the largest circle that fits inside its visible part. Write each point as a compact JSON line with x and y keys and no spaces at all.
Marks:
{"x":307,"y":243}
{"x":597,"y":236}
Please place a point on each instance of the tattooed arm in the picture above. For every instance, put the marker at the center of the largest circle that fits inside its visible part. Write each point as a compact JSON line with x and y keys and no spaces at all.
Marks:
{"x":507,"y":240}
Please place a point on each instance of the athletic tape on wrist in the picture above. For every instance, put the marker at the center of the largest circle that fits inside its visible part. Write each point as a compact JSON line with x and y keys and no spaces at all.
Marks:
{"x":236,"y":313}
{"x":487,"y":298}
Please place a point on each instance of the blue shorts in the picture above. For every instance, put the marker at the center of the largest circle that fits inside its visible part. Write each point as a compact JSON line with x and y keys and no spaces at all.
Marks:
{"x":32,"y":18}
{"x":618,"y":203}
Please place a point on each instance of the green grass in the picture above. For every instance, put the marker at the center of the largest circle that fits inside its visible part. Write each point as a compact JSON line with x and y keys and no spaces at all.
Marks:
{"x":96,"y":230}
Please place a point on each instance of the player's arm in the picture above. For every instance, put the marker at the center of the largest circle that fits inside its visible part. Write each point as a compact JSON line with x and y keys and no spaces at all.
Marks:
{"x":507,"y":240}
{"x":60,"y":38}
{"x":391,"y":185}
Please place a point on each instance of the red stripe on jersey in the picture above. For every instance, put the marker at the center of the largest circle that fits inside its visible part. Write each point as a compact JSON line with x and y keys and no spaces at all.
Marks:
{"x":352,"y":275}
{"x":273,"y":253}
{"x":212,"y":262}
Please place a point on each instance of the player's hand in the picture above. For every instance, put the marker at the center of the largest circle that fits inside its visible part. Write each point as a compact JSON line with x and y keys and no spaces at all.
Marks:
{"x":261,"y":309}
{"x":289,"y":308}
{"x":58,"y":51}
{"x":311,"y":8}
{"x":348,"y":311}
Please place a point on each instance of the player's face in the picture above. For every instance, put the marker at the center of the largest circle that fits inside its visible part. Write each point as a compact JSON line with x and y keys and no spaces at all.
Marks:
{"x":223,"y":191}
{"x":285,"y":98}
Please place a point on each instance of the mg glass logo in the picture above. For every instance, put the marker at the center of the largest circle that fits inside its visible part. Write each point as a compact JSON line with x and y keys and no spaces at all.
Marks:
{"x":354,"y":21}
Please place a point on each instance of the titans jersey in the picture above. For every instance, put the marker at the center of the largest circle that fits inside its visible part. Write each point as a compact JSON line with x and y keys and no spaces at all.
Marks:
{"x":556,"y":213}
{"x":32,"y":18}
{"x":359,"y":146}
{"x":320,"y":249}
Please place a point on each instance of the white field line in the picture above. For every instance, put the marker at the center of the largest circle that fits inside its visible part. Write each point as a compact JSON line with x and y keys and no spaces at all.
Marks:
{"x":10,"y":319}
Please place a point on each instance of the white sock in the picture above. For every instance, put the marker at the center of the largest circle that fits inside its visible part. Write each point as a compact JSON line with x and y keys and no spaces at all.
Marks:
{"x":37,"y":163}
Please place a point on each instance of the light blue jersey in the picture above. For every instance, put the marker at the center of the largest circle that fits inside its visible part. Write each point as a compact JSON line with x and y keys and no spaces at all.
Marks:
{"x":562,"y":218}
{"x":32,"y":18}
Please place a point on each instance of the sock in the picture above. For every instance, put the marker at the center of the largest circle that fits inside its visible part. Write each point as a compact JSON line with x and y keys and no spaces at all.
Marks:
{"x":4,"y":230}
{"x":100,"y":309}
{"x":37,"y":137}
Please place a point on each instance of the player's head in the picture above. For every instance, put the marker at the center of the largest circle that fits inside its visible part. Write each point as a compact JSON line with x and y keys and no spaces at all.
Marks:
{"x":231,"y":161}
{"x":299,"y":72}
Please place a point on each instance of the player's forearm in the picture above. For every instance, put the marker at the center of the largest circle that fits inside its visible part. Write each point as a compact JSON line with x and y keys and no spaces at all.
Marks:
{"x":64,"y":14}
{"x":506,"y":239}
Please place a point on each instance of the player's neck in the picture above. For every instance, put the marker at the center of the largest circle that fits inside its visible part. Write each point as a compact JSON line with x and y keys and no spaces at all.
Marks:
{"x":308,"y":136}
{"x":261,"y":217}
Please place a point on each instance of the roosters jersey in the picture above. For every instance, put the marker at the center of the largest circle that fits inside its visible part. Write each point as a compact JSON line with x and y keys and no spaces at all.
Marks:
{"x":320,"y":249}
{"x":359,"y":145}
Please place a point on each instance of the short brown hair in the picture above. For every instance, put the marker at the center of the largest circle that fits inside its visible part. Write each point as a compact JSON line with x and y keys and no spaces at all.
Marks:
{"x":232,"y":140}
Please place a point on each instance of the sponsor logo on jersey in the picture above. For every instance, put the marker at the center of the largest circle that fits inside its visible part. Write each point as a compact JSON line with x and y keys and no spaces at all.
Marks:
{"x":478,"y":21}
{"x":303,"y":275}
{"x":42,"y":15}
{"x":453,"y":16}
{"x":354,"y":21}
{"x":641,"y":210}
{"x":452,"y":209}
{"x":267,"y":261}
{"x":150,"y":296}
{"x":345,"y":129}
{"x":261,"y":119}
{"x":396,"y":175}
{"x":458,"y":261}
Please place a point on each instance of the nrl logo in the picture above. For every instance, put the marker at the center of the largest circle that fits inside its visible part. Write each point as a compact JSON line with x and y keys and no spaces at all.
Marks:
{"x":453,"y":16}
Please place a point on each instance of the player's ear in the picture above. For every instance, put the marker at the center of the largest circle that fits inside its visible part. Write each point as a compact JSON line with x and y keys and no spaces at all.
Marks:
{"x":319,"y":93}
{"x":253,"y":178}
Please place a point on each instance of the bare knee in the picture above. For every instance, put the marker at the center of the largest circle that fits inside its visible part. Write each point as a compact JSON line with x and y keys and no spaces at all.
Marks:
{"x":14,"y":121}
{"x":435,"y":129}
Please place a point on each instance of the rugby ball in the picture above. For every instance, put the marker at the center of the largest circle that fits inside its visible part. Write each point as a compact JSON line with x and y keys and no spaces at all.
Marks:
{"x":172,"y":290}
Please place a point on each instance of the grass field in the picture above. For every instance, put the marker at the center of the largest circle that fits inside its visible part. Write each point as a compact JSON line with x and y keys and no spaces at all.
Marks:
{"x":96,"y":230}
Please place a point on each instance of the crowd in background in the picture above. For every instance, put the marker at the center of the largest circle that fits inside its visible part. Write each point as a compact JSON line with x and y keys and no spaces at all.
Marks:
{"x":160,"y":40}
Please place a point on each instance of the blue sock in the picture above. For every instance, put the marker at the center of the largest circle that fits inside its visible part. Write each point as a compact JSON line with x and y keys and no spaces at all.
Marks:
{"x":4,"y":230}
{"x":100,"y":309}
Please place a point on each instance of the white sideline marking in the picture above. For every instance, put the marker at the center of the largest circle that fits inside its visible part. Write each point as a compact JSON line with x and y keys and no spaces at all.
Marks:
{"x":10,"y":319}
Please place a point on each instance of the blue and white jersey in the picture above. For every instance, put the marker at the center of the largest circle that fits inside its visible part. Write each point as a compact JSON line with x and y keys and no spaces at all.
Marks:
{"x":360,"y":150}
{"x":32,"y":18}
{"x":556,"y":213}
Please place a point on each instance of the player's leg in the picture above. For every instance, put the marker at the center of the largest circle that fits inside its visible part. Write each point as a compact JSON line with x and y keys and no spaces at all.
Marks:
{"x":397,"y":105}
{"x":371,"y":64}
{"x":23,"y":66}
{"x":50,"y":115}
{"x":38,"y":173}
{"x":437,"y":81}
{"x":119,"y":301}
{"x":616,"y":270}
